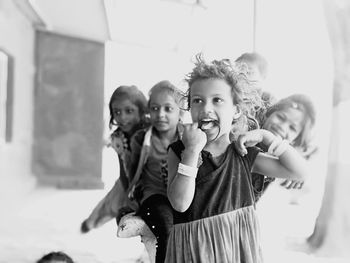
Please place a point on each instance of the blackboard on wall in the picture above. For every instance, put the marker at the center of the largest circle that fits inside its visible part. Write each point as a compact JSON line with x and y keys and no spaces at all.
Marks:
{"x":68,"y":111}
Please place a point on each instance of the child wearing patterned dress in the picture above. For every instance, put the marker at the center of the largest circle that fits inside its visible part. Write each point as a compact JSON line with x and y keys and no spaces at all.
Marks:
{"x":128,"y":112}
{"x":210,"y":183}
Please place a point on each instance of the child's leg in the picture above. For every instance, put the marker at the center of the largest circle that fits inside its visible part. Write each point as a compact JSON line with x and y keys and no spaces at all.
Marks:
{"x":107,"y":208}
{"x":157,"y":212}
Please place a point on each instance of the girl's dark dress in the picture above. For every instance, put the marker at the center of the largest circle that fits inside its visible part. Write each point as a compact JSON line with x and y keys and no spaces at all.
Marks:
{"x":221,"y":223}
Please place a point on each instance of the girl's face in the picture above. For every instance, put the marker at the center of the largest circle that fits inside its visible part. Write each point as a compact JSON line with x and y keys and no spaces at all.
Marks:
{"x":164,"y":111}
{"x":126,"y":114}
{"x":287,"y":123}
{"x":212,"y":107}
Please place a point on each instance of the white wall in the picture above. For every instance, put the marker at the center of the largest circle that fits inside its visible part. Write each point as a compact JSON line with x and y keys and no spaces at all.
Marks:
{"x":293,"y":36}
{"x":158,"y":39}
{"x":17,"y":39}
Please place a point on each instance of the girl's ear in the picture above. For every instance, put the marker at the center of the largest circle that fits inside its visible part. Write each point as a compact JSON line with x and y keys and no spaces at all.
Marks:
{"x":238,"y":113}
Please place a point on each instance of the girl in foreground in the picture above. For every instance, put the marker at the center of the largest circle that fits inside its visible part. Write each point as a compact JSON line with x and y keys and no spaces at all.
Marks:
{"x":210,"y":184}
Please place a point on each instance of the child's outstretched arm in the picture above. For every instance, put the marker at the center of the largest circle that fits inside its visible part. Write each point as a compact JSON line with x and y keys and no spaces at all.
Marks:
{"x":283,"y":161}
{"x":182,"y":175}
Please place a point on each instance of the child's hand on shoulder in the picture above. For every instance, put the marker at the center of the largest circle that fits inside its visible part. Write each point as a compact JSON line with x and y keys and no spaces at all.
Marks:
{"x":248,"y":139}
{"x":193,"y":138}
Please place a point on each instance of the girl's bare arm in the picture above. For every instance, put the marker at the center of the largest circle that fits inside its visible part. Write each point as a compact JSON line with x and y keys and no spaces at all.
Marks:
{"x":182,"y":184}
{"x":290,"y":164}
{"x":181,"y":188}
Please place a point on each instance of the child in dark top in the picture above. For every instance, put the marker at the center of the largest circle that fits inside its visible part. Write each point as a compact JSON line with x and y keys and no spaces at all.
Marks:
{"x":128,"y":112}
{"x":148,"y":165}
{"x":210,"y":177}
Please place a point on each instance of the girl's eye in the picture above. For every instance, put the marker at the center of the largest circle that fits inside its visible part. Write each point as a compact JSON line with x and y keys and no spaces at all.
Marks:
{"x":196,"y":101}
{"x":130,"y":111}
{"x":168,"y":109}
{"x":154,"y":108}
{"x":293,"y":128}
{"x":218,"y":100}
{"x":280,"y":116}
{"x":118,"y":112}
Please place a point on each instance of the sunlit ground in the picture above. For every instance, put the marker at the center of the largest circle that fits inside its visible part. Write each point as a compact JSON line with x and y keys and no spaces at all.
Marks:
{"x":287,"y":218}
{"x":47,"y":219}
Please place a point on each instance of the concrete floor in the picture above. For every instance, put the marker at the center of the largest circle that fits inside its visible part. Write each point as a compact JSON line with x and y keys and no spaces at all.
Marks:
{"x":47,"y":219}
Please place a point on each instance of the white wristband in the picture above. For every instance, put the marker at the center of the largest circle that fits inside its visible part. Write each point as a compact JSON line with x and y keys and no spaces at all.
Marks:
{"x":281,"y":148}
{"x":276,"y":141}
{"x":186,"y":170}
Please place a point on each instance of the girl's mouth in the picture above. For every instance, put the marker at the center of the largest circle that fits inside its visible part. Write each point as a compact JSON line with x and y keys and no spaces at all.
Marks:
{"x":123,"y":125}
{"x":207,"y":124}
{"x":161,"y":122}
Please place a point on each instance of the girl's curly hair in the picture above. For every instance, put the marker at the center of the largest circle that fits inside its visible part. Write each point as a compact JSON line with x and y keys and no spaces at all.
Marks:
{"x":255,"y":58}
{"x":247,"y":99}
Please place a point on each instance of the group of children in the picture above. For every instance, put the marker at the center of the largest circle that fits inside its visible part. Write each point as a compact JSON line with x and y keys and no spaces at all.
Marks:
{"x":195,"y":185}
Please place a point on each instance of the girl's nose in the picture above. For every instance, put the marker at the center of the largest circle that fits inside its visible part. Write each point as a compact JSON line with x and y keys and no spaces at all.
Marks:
{"x":123,"y":116}
{"x":282,"y":129}
{"x":208,"y":107}
{"x":161,"y":113}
